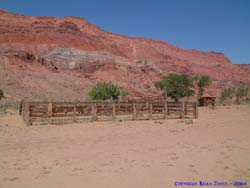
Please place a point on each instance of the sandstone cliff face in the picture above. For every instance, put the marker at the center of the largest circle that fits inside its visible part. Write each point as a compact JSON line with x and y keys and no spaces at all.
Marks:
{"x":245,"y":67}
{"x":75,"y":45}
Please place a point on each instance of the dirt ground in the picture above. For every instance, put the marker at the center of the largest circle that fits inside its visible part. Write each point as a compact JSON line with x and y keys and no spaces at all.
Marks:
{"x":132,"y":154}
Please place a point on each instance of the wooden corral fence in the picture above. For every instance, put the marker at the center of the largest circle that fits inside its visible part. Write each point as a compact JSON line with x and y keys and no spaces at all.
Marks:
{"x":35,"y":113}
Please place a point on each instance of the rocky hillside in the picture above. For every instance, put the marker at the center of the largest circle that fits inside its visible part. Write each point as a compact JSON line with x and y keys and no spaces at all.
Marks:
{"x":246,"y":67}
{"x":47,"y":56}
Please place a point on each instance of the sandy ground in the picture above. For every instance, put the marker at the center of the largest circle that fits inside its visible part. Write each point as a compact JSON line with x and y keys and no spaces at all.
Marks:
{"x":133,"y":154}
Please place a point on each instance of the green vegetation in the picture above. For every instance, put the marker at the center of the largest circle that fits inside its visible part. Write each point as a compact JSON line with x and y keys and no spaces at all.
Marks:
{"x":107,"y":91}
{"x":1,"y":94}
{"x":203,"y":81}
{"x":8,"y":105}
{"x":177,"y":86}
{"x":241,"y":91}
{"x":227,"y":93}
{"x":238,"y":92}
{"x":247,"y":100}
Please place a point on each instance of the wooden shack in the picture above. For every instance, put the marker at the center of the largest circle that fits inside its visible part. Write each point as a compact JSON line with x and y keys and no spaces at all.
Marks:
{"x":207,"y":100}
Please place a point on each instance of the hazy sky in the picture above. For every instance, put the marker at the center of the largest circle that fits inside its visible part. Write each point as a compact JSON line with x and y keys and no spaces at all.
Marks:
{"x":208,"y":25}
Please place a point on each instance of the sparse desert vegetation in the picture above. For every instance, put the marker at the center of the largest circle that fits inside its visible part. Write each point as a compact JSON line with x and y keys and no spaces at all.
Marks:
{"x":237,"y":94}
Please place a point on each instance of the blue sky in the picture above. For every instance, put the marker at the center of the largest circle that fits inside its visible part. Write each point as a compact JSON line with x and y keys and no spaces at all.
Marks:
{"x":208,"y":25}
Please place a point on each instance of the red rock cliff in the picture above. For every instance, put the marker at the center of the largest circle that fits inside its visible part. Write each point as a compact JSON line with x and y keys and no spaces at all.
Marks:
{"x":43,"y":36}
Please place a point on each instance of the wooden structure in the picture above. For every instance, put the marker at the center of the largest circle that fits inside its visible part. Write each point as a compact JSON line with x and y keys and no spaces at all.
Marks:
{"x":207,"y":100}
{"x":67,"y":112}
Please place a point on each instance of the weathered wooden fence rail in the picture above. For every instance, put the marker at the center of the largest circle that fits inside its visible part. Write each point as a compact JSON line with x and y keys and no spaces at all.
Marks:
{"x":67,"y":112}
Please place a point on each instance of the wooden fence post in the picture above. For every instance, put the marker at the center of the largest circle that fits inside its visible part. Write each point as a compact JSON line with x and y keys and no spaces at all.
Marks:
{"x":94,"y":111}
{"x":113,"y":110}
{"x":21,"y":107}
{"x":28,"y":121}
{"x":195,"y":110}
{"x":186,"y":108}
{"x":213,"y":104}
{"x":150,"y":110}
{"x":183,"y":110}
{"x":49,"y":113}
{"x":134,"y":111}
{"x":74,"y":113}
{"x":165,"y":109}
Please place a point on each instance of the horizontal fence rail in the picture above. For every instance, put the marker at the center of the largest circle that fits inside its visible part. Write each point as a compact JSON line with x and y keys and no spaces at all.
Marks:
{"x":69,"y":112}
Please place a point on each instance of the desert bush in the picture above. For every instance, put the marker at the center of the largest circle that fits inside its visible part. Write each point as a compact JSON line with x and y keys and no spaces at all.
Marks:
{"x":241,"y":91}
{"x":9,"y":105}
{"x":177,"y":86}
{"x":247,"y":101}
{"x":227,"y":93}
{"x":106,"y":91}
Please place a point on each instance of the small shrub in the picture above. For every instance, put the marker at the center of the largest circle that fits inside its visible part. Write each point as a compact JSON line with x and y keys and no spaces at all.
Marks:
{"x":9,"y":105}
{"x":106,"y":91}
{"x":227,"y":93}
{"x":241,"y":91}
{"x":247,"y":101}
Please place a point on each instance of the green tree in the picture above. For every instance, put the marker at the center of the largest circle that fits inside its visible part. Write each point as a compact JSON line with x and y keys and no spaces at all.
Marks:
{"x":106,"y":91}
{"x":203,"y":81}
{"x":241,"y":91}
{"x":177,"y":86}
{"x":1,"y":94}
